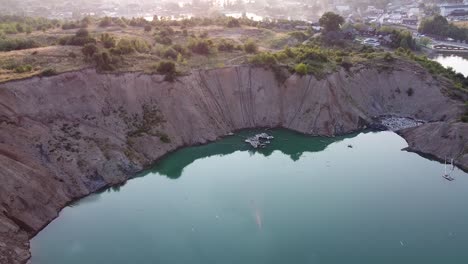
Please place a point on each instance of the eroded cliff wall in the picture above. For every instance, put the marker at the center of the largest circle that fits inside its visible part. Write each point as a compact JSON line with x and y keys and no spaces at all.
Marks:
{"x":65,"y":136}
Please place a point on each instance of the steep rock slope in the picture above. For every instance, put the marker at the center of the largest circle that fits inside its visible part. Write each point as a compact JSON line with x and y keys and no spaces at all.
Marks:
{"x":66,"y":136}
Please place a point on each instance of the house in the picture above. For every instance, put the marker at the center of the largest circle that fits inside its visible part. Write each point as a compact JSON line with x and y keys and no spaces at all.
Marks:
{"x":410,"y":21}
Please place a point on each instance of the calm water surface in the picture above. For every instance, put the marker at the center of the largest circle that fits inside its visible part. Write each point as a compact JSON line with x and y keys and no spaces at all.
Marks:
{"x":459,"y":62}
{"x":300,"y":200}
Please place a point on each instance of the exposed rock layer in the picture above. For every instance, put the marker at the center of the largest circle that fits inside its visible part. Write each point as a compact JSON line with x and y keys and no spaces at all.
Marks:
{"x":66,"y":136}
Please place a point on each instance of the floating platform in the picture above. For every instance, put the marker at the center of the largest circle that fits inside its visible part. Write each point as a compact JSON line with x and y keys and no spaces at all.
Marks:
{"x":260,"y":140}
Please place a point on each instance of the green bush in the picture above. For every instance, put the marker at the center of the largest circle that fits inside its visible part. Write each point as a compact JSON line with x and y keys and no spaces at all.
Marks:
{"x":163,"y":40}
{"x":226,"y":45}
{"x":71,"y":25}
{"x":127,"y":46}
{"x":17,"y":44}
{"x":165,"y":67}
{"x":81,"y":38}
{"x":168,"y":68}
{"x":250,"y":47}
{"x":23,"y":68}
{"x":170,"y":53}
{"x":123,"y":47}
{"x":299,"y":35}
{"x":464,"y":117}
{"x":200,"y":46}
{"x":301,"y":69}
{"x":105,"y":22}
{"x":48,"y":72}
{"x":233,"y":22}
{"x":108,"y":41}
{"x":104,"y":61}
{"x":140,"y":45}
{"x":182,"y":50}
{"x":346,"y":63}
{"x":89,"y":50}
{"x":82,"y":33}
{"x":263,"y":59}
{"x":388,"y":57}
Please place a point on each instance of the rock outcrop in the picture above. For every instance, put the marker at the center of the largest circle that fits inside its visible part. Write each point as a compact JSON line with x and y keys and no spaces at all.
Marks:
{"x":66,"y":136}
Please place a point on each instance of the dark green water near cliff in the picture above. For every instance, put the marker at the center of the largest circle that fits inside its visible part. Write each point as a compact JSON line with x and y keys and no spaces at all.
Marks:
{"x":300,"y":200}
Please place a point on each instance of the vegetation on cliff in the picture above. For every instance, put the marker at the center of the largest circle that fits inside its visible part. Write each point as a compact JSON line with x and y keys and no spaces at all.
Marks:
{"x":172,"y":48}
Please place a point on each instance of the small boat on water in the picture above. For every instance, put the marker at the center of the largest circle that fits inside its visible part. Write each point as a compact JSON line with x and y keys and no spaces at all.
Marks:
{"x":447,"y":175}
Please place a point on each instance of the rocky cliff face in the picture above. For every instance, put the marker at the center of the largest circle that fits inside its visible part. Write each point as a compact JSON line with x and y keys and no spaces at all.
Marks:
{"x":66,"y":136}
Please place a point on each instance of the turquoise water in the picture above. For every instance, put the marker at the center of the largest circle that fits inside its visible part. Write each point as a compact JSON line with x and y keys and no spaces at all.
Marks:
{"x":300,"y":200}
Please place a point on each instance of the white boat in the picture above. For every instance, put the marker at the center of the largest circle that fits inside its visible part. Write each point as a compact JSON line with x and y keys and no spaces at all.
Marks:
{"x":447,"y":175}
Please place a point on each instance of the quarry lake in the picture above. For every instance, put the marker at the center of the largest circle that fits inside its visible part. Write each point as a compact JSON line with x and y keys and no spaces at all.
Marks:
{"x":354,"y":199}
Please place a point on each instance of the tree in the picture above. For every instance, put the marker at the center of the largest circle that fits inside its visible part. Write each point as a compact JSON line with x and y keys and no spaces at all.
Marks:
{"x":331,"y":21}
{"x":89,"y":50}
{"x":438,"y":25}
{"x":424,"y":41}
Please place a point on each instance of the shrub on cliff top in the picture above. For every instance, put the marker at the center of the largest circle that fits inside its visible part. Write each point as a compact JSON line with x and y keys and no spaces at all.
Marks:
{"x":200,"y":46}
{"x":48,"y":72}
{"x":301,"y":69}
{"x":388,"y":57}
{"x":104,"y":61}
{"x":250,"y":47}
{"x":168,"y":68}
{"x":263,"y":59}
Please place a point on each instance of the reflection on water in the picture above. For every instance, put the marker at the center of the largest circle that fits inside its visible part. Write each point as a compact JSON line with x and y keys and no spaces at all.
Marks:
{"x":459,"y":62}
{"x":355,"y":200}
{"x":173,"y":165}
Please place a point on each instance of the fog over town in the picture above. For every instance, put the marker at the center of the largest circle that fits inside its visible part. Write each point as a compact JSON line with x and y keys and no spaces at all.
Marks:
{"x":380,"y":11}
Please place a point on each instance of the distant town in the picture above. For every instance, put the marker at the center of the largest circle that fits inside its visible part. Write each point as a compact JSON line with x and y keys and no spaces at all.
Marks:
{"x":393,"y":12}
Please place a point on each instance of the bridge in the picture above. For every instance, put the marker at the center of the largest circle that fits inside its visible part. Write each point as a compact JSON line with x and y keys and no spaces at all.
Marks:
{"x":450,"y":46}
